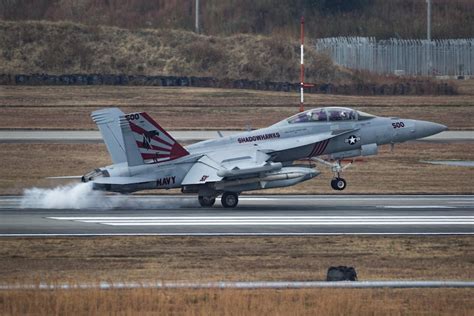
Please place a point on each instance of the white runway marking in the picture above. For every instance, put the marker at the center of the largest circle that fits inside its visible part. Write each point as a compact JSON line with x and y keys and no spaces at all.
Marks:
{"x":417,"y":206}
{"x":272,"y":220}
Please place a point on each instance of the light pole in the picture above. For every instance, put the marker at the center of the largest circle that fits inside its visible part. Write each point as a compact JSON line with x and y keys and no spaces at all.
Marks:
{"x":428,"y":20}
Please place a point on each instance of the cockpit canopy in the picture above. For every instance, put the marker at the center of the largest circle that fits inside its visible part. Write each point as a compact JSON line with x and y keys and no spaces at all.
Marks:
{"x":329,"y":114}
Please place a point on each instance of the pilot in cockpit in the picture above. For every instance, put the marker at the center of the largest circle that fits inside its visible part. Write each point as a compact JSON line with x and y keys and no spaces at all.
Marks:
{"x":318,"y":115}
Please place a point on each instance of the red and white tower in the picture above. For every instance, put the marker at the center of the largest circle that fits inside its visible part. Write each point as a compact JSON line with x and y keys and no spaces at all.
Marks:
{"x":302,"y":84}
{"x":302,"y":66}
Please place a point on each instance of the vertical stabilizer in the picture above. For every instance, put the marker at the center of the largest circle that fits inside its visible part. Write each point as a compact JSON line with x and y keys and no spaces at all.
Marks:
{"x":107,"y":121}
{"x":153,"y":143}
{"x":133,"y":154}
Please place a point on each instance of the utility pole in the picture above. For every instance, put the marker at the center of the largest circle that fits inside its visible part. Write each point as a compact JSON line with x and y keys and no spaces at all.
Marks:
{"x":428,"y":20}
{"x":428,"y":36}
{"x":197,"y":16}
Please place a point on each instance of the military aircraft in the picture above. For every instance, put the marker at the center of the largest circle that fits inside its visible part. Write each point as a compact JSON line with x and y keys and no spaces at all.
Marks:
{"x":146,"y":157}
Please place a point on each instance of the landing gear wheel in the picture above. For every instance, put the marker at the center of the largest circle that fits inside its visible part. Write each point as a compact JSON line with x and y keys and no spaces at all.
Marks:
{"x":206,"y":201}
{"x":230,"y":199}
{"x":338,"y":184}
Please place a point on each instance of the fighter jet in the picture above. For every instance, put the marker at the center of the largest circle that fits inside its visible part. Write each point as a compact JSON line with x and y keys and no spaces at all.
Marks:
{"x":146,"y":157}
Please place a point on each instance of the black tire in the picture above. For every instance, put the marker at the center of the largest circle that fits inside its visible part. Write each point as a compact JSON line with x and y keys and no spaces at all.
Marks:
{"x":206,"y":201}
{"x":333,"y":184}
{"x":230,"y":199}
{"x":339,"y":184}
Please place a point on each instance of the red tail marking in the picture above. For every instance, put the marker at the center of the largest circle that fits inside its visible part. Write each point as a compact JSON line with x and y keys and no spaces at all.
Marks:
{"x":152,"y":147}
{"x":137,"y":129}
{"x":177,"y":150}
{"x":153,"y":156}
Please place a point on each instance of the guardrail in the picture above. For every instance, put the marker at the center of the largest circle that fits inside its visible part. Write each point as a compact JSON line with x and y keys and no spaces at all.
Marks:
{"x":243,"y":285}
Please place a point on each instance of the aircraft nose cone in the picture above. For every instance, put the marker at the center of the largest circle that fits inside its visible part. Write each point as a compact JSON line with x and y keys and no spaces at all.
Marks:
{"x":425,"y":128}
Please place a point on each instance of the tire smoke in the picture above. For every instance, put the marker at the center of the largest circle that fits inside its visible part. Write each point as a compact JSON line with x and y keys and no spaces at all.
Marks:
{"x":82,"y":196}
{"x":74,"y":196}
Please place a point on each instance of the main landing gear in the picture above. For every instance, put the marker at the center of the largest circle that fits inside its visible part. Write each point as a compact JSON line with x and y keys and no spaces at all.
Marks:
{"x":337,"y":183}
{"x":206,"y":201}
{"x":228,"y":200}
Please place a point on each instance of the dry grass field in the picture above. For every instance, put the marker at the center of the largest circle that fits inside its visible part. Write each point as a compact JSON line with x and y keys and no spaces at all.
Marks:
{"x":239,"y":302}
{"x":389,"y":172}
{"x":73,"y":260}
{"x":31,"y":260}
{"x":70,"y":48}
{"x":63,"y":107}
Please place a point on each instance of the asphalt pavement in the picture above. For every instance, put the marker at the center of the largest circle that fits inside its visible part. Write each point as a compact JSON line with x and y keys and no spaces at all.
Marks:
{"x":255,"y":216}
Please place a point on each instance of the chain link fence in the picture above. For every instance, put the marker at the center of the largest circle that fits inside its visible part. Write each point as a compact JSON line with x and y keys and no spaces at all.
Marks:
{"x":449,"y":57}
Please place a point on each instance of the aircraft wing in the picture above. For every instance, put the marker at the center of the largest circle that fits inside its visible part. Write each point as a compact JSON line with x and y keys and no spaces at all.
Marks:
{"x":229,"y":163}
{"x":235,"y":163}
{"x":204,"y":170}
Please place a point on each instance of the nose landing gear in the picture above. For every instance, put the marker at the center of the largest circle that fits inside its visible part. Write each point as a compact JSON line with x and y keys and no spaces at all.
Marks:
{"x":337,"y":183}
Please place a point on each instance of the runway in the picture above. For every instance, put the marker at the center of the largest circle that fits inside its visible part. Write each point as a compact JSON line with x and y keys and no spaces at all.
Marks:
{"x":255,"y":216}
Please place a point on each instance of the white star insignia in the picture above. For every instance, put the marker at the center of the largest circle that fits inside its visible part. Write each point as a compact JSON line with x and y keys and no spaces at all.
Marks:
{"x":352,"y":140}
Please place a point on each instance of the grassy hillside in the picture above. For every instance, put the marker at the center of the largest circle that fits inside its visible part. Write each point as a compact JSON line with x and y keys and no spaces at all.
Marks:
{"x":66,"y":47}
{"x":324,"y":18}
